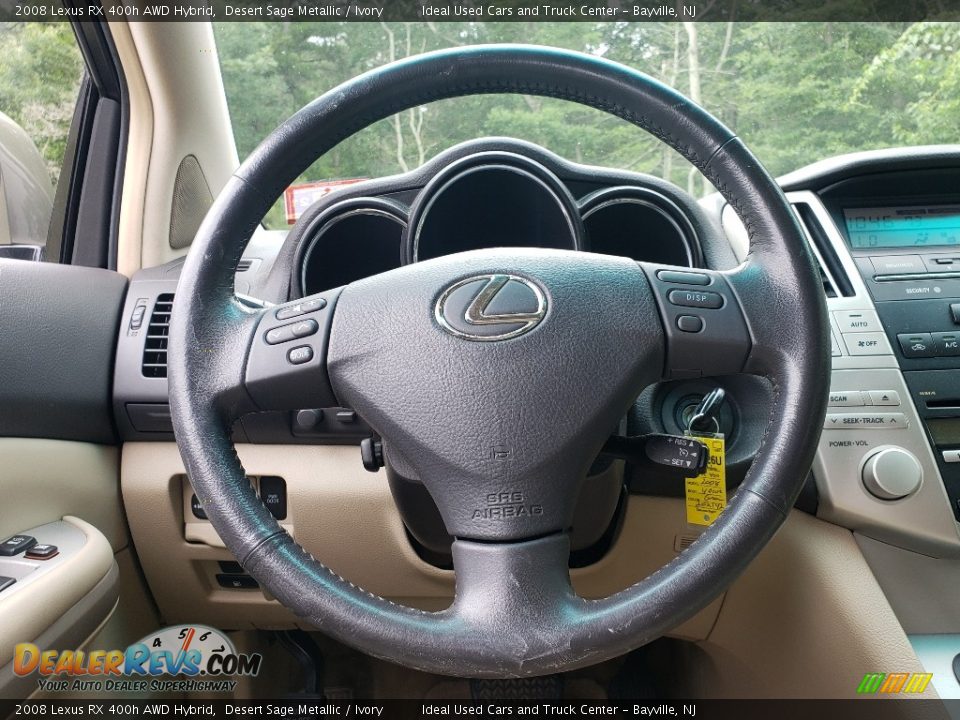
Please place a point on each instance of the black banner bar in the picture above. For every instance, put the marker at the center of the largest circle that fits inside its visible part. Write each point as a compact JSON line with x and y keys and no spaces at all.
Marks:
{"x":481,"y":10}
{"x":864,"y":709}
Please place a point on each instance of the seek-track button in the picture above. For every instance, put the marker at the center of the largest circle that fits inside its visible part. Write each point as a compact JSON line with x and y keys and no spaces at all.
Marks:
{"x":865,"y":421}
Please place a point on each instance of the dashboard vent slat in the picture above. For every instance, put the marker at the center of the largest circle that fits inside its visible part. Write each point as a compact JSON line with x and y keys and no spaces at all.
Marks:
{"x":155,"y":344}
{"x":244,"y":265}
{"x":832,"y":274}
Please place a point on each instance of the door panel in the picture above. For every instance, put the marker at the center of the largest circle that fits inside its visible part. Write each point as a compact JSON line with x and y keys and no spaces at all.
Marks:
{"x":59,"y":462}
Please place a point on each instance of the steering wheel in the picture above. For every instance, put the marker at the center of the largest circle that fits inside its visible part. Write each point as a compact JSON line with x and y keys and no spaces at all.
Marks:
{"x":497,"y":375}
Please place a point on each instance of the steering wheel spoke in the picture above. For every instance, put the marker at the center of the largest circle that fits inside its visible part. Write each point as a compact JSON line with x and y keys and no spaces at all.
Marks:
{"x":286,"y":360}
{"x":521,"y":588}
{"x":704,"y":324}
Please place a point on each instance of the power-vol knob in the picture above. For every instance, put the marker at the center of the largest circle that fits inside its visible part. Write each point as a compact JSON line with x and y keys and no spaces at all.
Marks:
{"x":892,"y":473}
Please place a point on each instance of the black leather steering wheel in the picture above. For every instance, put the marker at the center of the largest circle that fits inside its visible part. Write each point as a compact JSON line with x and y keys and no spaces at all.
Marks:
{"x":487,"y":421}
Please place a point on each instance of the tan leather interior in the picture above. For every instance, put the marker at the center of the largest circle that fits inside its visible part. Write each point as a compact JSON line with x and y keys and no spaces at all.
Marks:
{"x":807,"y":607}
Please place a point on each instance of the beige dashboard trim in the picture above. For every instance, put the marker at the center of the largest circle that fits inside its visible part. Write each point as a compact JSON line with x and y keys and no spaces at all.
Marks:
{"x":168,"y":66}
{"x":806,"y":619}
{"x":138,"y":150}
{"x":43,"y":480}
{"x":346,"y":517}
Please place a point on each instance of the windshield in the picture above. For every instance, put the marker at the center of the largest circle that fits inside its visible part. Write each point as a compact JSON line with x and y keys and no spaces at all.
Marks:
{"x":796,"y":93}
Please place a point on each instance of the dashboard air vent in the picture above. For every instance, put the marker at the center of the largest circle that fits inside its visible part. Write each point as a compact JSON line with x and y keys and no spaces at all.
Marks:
{"x":244,"y":265}
{"x":832,"y":274}
{"x":155,"y":346}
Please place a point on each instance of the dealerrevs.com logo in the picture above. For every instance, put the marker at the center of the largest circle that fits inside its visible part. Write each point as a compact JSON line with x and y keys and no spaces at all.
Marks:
{"x":893,"y":683}
{"x":182,"y":658}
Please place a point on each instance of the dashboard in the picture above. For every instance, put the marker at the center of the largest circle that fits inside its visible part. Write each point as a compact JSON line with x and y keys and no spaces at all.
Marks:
{"x":883,"y":229}
{"x":491,"y":193}
{"x":888,"y":462}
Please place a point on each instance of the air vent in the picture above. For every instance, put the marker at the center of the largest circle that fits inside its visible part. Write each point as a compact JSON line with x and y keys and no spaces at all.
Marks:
{"x":832,"y":274}
{"x":244,"y":265}
{"x":682,"y":542}
{"x":155,"y":347}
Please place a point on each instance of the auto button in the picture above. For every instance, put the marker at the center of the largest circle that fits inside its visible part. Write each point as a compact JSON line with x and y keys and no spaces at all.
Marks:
{"x":855,"y":321}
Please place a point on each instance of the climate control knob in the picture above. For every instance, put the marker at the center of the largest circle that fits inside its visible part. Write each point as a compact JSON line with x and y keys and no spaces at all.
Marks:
{"x":892,"y":473}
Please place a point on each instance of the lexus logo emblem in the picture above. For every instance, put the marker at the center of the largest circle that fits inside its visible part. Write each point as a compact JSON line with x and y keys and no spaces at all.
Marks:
{"x":484,"y":308}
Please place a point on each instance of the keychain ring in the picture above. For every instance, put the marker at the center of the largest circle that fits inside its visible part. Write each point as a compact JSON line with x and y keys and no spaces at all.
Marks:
{"x":699,"y":417}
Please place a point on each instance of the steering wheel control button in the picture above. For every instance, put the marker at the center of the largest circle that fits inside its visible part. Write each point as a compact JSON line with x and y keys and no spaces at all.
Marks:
{"x":916,"y":345}
{"x":6,"y":582}
{"x":291,"y":311}
{"x":237,"y":582}
{"x":892,"y":474}
{"x":898,"y":265}
{"x":305,"y":328}
{"x":865,"y":421}
{"x":16,"y":545}
{"x":309,"y":306}
{"x":867,"y":343}
{"x":690,"y":323}
{"x":273,"y":492}
{"x":301,"y":308}
{"x":300,"y":355}
{"x":683,"y":278}
{"x":856,"y":321}
{"x":285,"y":333}
{"x":197,"y":508}
{"x":279,"y":335}
{"x":42,"y":552}
{"x":884,"y":397}
{"x":696,"y":298}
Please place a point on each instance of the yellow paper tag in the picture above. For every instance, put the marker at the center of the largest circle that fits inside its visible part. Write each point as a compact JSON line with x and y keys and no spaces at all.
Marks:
{"x":707,"y":493}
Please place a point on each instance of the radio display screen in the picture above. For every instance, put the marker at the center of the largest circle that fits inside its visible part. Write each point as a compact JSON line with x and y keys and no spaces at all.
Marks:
{"x":903,"y":227}
{"x":944,"y":431}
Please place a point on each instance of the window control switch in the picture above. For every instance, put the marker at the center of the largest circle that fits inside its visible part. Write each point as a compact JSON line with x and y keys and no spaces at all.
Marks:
{"x":16,"y":544}
{"x":42,"y":552}
{"x":6,"y":582}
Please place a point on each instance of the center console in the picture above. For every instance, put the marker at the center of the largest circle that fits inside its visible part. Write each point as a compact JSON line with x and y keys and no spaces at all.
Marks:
{"x":889,"y":458}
